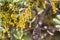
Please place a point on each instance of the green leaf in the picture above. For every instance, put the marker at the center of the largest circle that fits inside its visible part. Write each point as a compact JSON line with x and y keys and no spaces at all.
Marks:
{"x":58,"y":16}
{"x":56,"y":21}
{"x":15,"y":36}
{"x":26,"y":37}
{"x":57,"y":26}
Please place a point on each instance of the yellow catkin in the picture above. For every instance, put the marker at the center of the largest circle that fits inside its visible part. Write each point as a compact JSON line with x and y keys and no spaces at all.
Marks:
{"x":53,"y":7}
{"x":31,"y":0}
{"x":3,"y":38}
{"x":28,"y":13}
{"x":23,"y":17}
{"x":8,"y":34}
{"x":26,"y":10}
{"x":16,"y":28}
{"x":29,"y":6}
{"x":22,"y":20}
{"x":13,"y":16}
{"x":11,"y":23}
{"x":44,"y":5}
{"x":37,"y":3}
{"x":30,"y":25}
{"x":7,"y":30}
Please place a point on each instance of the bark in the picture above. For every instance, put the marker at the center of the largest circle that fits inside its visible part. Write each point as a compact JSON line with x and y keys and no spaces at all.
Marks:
{"x":40,"y":22}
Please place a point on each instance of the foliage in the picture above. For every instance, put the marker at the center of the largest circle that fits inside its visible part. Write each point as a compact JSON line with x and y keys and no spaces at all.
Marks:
{"x":18,"y":16}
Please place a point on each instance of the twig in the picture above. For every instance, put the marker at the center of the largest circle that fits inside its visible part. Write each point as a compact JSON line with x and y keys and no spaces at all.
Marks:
{"x":37,"y":31}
